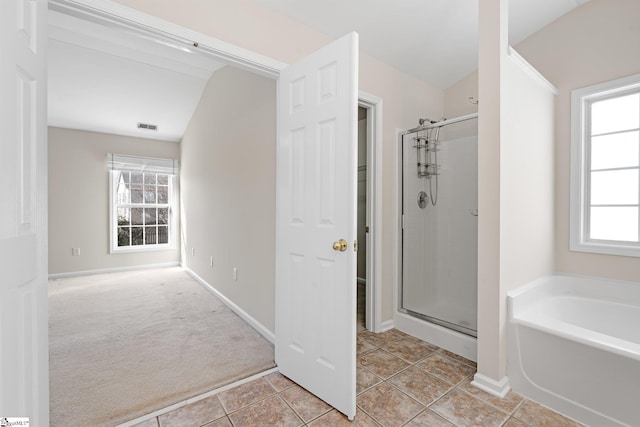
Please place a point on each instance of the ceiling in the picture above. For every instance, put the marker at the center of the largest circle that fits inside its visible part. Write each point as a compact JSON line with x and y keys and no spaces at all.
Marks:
{"x":105,"y":79}
{"x":433,"y":40}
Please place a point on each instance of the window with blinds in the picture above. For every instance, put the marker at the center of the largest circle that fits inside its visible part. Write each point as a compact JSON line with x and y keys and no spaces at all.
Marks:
{"x":142,"y":203}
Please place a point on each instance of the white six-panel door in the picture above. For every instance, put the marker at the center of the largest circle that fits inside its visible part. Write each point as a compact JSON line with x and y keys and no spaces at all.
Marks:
{"x":316,"y":207}
{"x":24,"y":358}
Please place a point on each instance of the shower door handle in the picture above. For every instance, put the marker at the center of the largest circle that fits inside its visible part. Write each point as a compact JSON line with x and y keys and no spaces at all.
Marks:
{"x":340,"y":245}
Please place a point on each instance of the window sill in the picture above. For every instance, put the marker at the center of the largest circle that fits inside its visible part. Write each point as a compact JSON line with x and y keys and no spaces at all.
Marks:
{"x":606,"y":249}
{"x":138,"y":249}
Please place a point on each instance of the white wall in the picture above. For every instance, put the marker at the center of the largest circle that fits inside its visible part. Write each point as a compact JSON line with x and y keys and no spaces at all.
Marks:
{"x":79,"y":199}
{"x":457,"y":103}
{"x":250,"y":25}
{"x":228,"y":190}
{"x":594,"y":43}
{"x":527,"y":177}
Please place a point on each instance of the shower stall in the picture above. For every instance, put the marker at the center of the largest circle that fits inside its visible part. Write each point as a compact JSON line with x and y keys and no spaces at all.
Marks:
{"x":439,"y":213}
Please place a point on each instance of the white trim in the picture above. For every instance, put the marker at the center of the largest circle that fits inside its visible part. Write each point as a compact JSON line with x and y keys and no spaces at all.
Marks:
{"x":373,"y":311}
{"x":387,"y":326}
{"x":107,"y":11}
{"x":576,"y":224}
{"x":530,"y":70}
{"x":578,"y":186}
{"x":398,"y":220}
{"x":491,"y":386}
{"x":263,"y":330}
{"x":113,"y":270}
{"x":197,"y":398}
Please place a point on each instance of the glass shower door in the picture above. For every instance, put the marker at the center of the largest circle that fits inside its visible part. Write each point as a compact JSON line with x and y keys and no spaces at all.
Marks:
{"x":440,"y":229}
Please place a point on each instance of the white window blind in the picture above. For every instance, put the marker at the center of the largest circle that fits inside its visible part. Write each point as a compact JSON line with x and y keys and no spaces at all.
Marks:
{"x":123,"y":162}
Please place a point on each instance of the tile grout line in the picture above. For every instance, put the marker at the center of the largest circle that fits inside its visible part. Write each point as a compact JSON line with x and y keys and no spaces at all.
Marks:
{"x":304,"y":423}
{"x":442,"y":397}
{"x":300,"y":415}
{"x":370,"y":416}
{"x":416,"y":416}
{"x":228,"y":413}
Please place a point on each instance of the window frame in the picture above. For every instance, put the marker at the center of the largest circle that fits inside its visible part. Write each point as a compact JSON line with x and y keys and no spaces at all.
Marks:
{"x":580,"y":189}
{"x":113,"y":217}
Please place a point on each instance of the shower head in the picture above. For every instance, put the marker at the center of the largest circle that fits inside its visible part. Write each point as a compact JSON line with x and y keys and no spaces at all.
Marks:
{"x":421,"y":122}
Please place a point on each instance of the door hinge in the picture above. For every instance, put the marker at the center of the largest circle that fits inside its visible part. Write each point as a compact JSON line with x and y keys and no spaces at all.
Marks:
{"x":355,"y":246}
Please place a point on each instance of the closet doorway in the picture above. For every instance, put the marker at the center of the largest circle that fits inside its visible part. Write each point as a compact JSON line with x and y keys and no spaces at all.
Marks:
{"x":363,"y":228}
{"x":368,"y":212}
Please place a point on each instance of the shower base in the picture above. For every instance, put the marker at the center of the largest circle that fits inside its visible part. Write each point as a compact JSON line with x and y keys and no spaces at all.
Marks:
{"x":457,"y":342}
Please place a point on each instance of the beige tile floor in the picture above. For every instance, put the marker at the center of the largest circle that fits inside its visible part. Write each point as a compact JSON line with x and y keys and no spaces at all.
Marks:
{"x":401,"y":381}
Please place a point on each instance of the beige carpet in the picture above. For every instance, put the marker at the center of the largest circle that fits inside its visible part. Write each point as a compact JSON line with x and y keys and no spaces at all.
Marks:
{"x":123,"y":345}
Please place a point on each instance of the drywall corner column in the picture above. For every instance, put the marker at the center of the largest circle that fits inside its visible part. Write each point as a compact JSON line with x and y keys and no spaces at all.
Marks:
{"x":515,"y":187}
{"x":493,"y":46}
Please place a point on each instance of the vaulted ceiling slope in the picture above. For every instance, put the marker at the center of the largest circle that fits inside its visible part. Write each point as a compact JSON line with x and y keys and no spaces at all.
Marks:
{"x":104,"y":79}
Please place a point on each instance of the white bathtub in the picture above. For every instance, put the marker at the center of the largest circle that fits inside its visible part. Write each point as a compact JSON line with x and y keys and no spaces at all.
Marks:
{"x":574,"y":345}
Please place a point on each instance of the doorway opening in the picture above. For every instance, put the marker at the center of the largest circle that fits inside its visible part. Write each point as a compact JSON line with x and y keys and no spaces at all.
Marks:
{"x":369,"y":224}
{"x":362,"y":227}
{"x":175,"y":36}
{"x":139,"y":24}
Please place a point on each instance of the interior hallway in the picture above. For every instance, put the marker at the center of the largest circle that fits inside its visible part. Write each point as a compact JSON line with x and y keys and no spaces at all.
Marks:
{"x":402,"y":381}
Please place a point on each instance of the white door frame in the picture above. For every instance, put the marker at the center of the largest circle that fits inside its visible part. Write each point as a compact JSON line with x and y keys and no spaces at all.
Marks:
{"x":149,"y":25}
{"x":373,"y":105}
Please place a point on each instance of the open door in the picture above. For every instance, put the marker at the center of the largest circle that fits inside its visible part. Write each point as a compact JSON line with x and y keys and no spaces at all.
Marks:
{"x":316,"y":223}
{"x":24,"y":357}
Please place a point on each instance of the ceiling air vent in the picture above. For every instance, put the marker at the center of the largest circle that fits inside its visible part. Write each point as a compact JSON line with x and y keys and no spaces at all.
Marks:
{"x":147,"y":126}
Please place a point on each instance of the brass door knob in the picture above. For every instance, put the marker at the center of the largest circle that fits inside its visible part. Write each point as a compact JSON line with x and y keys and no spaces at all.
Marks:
{"x":340,"y":245}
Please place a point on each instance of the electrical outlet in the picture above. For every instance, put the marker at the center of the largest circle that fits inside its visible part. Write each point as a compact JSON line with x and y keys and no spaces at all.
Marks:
{"x":75,"y":251}
{"x":211,"y":261}
{"x":193,"y":251}
{"x":235,"y":274}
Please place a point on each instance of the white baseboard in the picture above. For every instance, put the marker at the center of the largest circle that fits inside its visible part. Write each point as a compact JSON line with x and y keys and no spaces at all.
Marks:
{"x":491,"y":386}
{"x":266,"y":333}
{"x":387,"y":325}
{"x":113,"y":270}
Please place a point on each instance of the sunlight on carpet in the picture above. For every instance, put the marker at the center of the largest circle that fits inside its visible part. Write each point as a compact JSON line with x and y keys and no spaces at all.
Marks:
{"x":122,"y":345}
